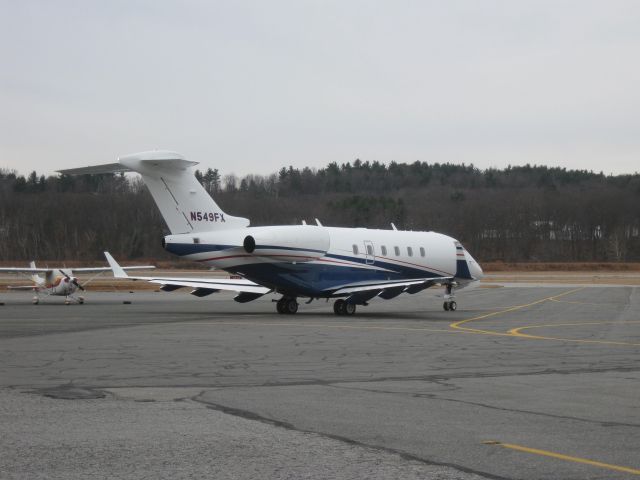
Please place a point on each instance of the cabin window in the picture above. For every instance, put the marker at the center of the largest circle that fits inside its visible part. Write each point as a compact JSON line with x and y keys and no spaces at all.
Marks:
{"x":410,"y":251}
{"x":196,"y":240}
{"x":397,"y":251}
{"x":355,"y":249}
{"x":383,"y":249}
{"x":370,"y":249}
{"x":422,"y":251}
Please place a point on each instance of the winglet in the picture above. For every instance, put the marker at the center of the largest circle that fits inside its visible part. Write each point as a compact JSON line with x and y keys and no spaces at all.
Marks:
{"x":118,"y":272}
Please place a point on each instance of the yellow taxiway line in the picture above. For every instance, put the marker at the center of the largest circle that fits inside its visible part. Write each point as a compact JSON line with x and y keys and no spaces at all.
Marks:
{"x":517,"y":332}
{"x":458,"y":325}
{"x":455,"y":327}
{"x":568,"y":458}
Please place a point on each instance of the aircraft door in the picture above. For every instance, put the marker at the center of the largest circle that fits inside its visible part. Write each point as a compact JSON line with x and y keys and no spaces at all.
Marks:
{"x":369,"y":252}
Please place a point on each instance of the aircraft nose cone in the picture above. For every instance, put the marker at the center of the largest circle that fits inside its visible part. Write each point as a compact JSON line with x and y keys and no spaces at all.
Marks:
{"x":475,"y":269}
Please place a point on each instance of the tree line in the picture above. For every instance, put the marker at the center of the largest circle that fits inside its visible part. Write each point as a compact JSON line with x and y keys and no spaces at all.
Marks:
{"x":516,"y":214}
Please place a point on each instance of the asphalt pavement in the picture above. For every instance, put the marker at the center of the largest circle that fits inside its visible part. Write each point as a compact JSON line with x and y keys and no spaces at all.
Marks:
{"x":521,"y":382}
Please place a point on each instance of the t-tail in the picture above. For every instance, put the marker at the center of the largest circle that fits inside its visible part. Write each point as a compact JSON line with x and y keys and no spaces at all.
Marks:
{"x":184,"y":204}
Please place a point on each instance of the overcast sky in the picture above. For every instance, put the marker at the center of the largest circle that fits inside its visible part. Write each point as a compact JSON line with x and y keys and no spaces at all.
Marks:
{"x":250,"y":86}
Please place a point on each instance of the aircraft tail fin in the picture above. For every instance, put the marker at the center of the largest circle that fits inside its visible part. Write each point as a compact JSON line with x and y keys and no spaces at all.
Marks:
{"x":185,"y":205}
{"x":35,"y":278}
{"x":118,"y":271}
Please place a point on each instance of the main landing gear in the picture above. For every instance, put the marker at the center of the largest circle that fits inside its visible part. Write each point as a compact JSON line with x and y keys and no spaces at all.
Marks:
{"x":287,"y":305}
{"x":342,"y":307}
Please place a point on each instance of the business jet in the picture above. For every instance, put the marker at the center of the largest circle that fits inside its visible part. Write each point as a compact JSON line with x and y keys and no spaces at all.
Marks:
{"x":350,"y":265}
{"x":59,"y":282}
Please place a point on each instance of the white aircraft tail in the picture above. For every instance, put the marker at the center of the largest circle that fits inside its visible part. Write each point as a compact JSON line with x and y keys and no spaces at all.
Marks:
{"x":35,"y":278}
{"x":184,"y":204}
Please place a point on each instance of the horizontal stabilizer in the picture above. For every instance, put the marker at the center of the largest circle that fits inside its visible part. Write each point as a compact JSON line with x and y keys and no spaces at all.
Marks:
{"x":183,"y":202}
{"x":96,"y":169}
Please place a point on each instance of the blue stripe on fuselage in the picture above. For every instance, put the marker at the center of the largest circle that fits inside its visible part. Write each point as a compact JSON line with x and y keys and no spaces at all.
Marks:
{"x":183,"y":249}
{"x":311,"y":279}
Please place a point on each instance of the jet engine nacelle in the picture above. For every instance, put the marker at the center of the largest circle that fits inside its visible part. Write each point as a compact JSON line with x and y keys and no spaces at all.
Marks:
{"x":299,"y":243}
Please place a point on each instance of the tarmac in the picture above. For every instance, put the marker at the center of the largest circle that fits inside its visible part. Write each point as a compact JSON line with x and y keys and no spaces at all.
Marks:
{"x":523,"y":381}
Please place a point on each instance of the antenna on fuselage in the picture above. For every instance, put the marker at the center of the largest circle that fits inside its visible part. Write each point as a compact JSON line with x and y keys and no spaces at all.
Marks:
{"x":393,"y":226}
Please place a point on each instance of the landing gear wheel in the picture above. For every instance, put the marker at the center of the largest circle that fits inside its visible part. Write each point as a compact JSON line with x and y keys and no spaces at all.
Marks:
{"x":445,"y":305}
{"x":80,"y":300}
{"x":340,"y":307}
{"x":67,"y":302}
{"x":280,"y":306}
{"x":453,"y":306}
{"x":291,"y":306}
{"x":349,"y":308}
{"x":36,"y":300}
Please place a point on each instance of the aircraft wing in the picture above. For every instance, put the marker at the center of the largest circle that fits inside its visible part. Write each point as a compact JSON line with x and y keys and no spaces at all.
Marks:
{"x":81,"y":270}
{"x":387,"y":289}
{"x":205,"y":285}
{"x":25,"y":270}
{"x":210,"y":284}
{"x":108,"y":269}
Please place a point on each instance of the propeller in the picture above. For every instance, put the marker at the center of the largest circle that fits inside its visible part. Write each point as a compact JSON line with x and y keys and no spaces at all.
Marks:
{"x":73,"y":280}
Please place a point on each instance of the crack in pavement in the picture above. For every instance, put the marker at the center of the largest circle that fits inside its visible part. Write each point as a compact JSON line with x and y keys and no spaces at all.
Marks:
{"x":249,"y":415}
{"x":435,"y":396}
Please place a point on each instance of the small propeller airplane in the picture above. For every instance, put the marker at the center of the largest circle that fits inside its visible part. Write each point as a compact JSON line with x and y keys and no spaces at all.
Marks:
{"x":350,"y":265}
{"x":59,"y":282}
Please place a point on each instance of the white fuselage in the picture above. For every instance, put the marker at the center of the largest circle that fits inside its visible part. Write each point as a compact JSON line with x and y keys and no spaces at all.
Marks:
{"x":57,"y":285}
{"x":313,"y":259}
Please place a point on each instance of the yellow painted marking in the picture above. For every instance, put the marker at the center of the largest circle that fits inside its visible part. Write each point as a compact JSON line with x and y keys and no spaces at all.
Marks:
{"x":458,"y":325}
{"x":316,"y":325}
{"x":568,"y":458}
{"x":517,"y":332}
{"x":604,"y":304}
{"x":455,"y":327}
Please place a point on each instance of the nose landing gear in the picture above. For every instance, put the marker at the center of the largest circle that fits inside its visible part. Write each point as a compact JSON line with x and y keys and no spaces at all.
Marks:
{"x":449,"y":299}
{"x":450,"y":306}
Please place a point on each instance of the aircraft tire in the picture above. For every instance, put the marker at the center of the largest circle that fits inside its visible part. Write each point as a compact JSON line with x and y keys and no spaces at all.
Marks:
{"x":280,"y":306}
{"x":291,"y":306}
{"x":339,"y":307}
{"x":349,"y":308}
{"x":445,"y":306}
{"x":453,"y":306}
